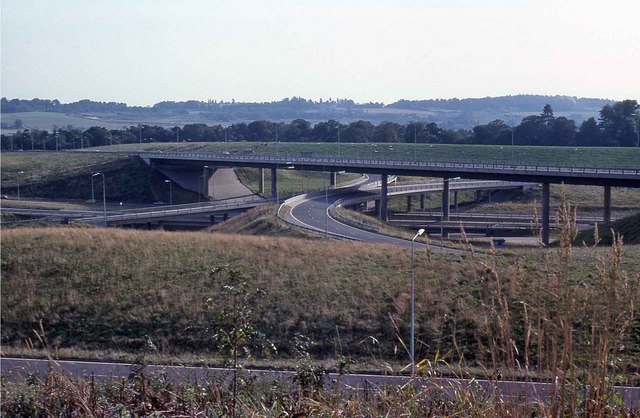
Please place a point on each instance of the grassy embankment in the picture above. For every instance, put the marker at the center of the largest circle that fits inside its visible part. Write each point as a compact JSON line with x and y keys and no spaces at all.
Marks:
{"x":95,"y":289}
{"x":67,"y":176}
{"x":110,"y":294}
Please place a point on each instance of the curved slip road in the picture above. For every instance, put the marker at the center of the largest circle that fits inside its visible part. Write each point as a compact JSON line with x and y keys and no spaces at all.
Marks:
{"x":312,"y":212}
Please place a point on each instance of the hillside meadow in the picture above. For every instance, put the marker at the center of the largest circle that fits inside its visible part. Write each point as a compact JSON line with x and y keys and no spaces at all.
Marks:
{"x":96,"y":289}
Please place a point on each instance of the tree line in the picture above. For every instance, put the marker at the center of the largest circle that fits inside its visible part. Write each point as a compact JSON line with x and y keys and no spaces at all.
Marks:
{"x":618,"y":125}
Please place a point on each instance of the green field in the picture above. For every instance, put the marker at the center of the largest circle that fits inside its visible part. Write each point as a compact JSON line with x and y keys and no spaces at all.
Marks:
{"x":47,"y":120}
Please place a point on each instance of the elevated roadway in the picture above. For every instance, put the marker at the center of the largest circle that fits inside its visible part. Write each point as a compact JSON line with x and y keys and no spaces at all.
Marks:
{"x":598,"y":176}
{"x":528,"y":173}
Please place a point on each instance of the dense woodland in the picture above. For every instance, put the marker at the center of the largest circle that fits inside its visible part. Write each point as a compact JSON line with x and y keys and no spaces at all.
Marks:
{"x":618,"y":125}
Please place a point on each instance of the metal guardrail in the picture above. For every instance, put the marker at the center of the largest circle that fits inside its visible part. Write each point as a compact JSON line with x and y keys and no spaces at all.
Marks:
{"x":491,"y":216}
{"x":460,"y":185}
{"x":175,"y":210}
{"x":455,"y":185}
{"x":391,"y":164}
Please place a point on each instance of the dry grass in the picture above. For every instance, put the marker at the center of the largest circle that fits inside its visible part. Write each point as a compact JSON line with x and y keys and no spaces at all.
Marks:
{"x":110,"y":289}
{"x":565,"y":315}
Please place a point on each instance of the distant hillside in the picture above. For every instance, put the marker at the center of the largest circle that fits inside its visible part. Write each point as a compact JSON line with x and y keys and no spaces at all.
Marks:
{"x":628,"y":227}
{"x":518,"y":103}
{"x":449,"y":113}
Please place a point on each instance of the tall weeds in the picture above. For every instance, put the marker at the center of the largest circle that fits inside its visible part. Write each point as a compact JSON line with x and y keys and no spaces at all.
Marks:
{"x":561,"y":328}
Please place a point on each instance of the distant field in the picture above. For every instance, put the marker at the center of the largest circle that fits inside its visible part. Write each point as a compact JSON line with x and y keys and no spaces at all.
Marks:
{"x":47,"y":120}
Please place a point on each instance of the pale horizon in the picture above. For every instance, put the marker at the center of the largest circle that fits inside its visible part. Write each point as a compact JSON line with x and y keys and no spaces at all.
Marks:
{"x":145,"y":52}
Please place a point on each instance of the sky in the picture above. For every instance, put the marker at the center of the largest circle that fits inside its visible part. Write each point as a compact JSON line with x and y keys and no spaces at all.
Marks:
{"x":145,"y":51}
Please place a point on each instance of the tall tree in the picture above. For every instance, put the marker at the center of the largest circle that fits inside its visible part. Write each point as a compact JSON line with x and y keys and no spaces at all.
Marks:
{"x":589,"y":134}
{"x":496,"y":132}
{"x":387,"y":132}
{"x":359,"y":131}
{"x":618,"y":123}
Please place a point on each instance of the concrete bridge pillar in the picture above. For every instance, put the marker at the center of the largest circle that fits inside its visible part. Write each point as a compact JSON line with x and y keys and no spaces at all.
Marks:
{"x":607,"y":203}
{"x":383,"y":213}
{"x":409,"y":203}
{"x":422,"y":199}
{"x":207,"y":184}
{"x":333,"y":178}
{"x":274,"y":183}
{"x":455,"y":200}
{"x":445,"y":204}
{"x":261,"y":181}
{"x":545,"y":213}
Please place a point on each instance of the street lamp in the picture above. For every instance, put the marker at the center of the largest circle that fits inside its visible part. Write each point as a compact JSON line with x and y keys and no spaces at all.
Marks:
{"x":205,"y":183}
{"x":415,"y":143}
{"x":104,"y":197}
{"x":511,"y":129}
{"x":170,"y":193}
{"x":637,"y":115}
{"x":442,"y":207}
{"x":326,"y":202}
{"x":19,"y":176}
{"x":338,"y":139}
{"x":413,"y":358}
{"x":93,"y":198}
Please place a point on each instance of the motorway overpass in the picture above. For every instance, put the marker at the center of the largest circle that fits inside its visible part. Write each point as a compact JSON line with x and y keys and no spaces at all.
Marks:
{"x":544,"y":174}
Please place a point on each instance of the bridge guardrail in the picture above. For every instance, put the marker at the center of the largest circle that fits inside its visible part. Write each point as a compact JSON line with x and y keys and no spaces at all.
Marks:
{"x":394,"y":163}
{"x":134,"y":214}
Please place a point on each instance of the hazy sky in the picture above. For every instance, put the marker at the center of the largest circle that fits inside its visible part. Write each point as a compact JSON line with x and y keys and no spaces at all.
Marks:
{"x":144,"y":51}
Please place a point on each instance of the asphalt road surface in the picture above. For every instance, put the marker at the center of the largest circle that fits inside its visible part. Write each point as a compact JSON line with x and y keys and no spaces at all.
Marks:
{"x":16,"y":369}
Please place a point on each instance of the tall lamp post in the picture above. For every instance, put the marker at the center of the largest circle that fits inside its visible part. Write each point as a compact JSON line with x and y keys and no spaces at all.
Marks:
{"x":19,"y":177}
{"x":415,"y":143}
{"x":205,"y":183}
{"x":339,"y":140}
{"x":104,"y":197}
{"x":637,"y":115}
{"x":413,"y":322}
{"x":511,"y":129}
{"x":442,"y":208}
{"x":93,"y":197}
{"x":170,"y":193}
